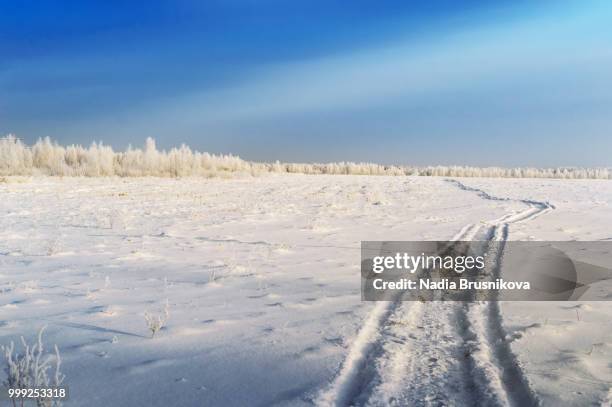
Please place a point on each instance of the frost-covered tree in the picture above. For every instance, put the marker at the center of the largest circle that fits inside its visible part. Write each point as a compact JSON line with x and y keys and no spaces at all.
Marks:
{"x":46,"y":157}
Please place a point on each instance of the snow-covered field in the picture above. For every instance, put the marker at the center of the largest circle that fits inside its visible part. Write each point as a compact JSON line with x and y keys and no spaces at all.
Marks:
{"x":261,"y":277}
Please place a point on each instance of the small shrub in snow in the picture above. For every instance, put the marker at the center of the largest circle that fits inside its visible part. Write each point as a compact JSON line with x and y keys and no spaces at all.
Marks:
{"x":156,"y":322}
{"x":30,"y":369}
{"x":115,"y":220}
{"x":54,"y":246}
{"x":212,"y":276}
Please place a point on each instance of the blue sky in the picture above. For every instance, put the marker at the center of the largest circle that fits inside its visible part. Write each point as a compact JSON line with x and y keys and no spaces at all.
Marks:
{"x":434,"y":82}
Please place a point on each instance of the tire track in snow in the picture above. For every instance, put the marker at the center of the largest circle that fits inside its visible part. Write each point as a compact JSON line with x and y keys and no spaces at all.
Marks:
{"x":438,"y":353}
{"x":427,"y":367}
{"x":542,"y":205}
{"x":493,"y":348}
{"x":490,"y":348}
{"x":359,"y":368}
{"x":363,"y":369}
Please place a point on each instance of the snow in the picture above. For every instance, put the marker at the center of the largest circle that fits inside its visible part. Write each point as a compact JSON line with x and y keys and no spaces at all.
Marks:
{"x":261,"y":276}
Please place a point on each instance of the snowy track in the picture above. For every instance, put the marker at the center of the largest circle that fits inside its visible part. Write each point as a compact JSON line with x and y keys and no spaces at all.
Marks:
{"x":260,"y":274}
{"x":438,"y":353}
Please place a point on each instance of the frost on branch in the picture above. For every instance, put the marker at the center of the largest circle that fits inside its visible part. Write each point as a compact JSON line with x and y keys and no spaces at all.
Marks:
{"x":32,"y":368}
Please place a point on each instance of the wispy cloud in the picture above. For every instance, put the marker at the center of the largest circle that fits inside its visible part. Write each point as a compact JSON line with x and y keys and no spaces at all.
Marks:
{"x":536,"y":53}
